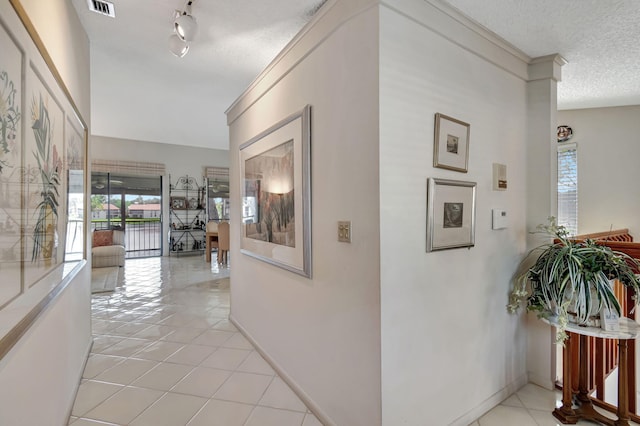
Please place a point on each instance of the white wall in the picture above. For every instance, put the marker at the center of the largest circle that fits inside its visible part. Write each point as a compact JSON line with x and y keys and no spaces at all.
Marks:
{"x":39,"y":376}
{"x":450,"y":350}
{"x":608,"y":172}
{"x":68,"y":45}
{"x":179,"y":161}
{"x":433,"y":327}
{"x":322,"y":333}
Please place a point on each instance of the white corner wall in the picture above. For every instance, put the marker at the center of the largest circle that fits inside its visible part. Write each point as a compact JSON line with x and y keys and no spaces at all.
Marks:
{"x":40,"y":374}
{"x":450,"y":350}
{"x":322,"y":333}
{"x":608,"y":172}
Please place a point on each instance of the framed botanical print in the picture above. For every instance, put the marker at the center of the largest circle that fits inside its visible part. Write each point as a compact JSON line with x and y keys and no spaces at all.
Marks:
{"x":43,"y":145}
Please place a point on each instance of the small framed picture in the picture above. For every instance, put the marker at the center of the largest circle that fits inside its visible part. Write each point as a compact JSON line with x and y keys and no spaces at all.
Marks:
{"x":178,"y":203}
{"x":451,"y":214}
{"x":451,"y":144}
{"x":609,"y":319}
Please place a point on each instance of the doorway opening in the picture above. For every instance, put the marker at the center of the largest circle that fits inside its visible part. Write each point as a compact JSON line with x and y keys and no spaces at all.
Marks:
{"x":132,"y":204}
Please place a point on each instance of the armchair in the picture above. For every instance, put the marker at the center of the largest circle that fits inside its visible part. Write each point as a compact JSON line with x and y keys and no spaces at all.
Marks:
{"x":107,"y":248}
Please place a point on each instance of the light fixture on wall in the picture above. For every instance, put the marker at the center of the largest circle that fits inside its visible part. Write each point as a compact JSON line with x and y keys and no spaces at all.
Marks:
{"x":185,"y":29}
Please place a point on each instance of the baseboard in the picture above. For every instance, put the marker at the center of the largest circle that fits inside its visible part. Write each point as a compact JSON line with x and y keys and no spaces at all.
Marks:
{"x":84,"y":365}
{"x":543,"y":382}
{"x":495,"y":399}
{"x":315,"y":409}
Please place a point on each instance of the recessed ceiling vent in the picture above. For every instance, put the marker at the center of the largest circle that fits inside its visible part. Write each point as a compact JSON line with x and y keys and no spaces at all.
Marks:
{"x":102,"y":7}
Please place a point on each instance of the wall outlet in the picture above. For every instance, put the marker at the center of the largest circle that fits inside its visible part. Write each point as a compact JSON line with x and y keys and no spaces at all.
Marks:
{"x":344,"y":231}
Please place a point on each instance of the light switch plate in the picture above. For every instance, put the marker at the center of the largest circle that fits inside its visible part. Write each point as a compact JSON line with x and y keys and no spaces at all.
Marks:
{"x":344,"y":231}
{"x":499,"y":177}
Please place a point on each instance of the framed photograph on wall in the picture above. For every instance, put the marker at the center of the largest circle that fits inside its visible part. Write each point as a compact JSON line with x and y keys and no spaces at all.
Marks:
{"x":451,"y":214}
{"x":276,"y":194}
{"x":451,"y":144}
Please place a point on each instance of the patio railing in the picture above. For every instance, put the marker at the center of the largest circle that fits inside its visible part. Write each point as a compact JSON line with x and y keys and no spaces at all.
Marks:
{"x":143,"y":237}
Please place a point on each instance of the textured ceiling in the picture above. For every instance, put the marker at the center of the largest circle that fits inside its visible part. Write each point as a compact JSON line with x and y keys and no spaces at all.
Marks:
{"x":599,"y":39}
{"x":140,"y":91}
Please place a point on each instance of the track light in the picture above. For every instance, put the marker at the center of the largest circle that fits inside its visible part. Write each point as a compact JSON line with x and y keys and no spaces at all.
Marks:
{"x":185,"y":28}
{"x":177,"y":46}
{"x":185,"y":25}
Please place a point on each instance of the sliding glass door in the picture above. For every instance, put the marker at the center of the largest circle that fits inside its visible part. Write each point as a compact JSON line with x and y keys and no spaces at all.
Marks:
{"x":130,"y":203}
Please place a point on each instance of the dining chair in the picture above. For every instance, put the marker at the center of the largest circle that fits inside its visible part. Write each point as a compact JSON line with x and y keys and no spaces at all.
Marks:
{"x":211,"y":240}
{"x":223,"y":242}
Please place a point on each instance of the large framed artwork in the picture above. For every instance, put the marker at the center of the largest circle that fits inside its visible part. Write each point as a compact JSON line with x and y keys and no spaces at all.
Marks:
{"x":451,"y":214}
{"x":43,"y":145}
{"x":11,"y":116}
{"x":275,"y":189}
{"x":451,"y":143}
{"x":45,"y":183}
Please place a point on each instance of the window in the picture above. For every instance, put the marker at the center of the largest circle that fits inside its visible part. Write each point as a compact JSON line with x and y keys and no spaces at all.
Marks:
{"x":568,"y":187}
{"x":218,"y":193}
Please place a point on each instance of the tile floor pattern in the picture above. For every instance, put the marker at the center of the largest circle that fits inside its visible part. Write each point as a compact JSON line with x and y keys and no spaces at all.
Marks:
{"x":530,"y":406}
{"x":164,"y":353}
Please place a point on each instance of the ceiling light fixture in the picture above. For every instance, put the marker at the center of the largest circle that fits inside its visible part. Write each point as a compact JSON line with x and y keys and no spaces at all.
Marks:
{"x":185,"y":25}
{"x":177,"y":46}
{"x":185,"y":29}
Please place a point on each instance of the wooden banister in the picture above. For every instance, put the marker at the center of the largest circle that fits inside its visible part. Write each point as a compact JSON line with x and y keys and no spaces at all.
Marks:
{"x":603,"y":353}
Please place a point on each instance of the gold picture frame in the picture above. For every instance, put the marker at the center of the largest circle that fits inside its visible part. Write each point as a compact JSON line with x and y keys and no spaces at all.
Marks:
{"x":451,"y":143}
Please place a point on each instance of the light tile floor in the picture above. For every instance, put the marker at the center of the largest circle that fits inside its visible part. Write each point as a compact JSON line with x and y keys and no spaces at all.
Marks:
{"x":530,"y":406}
{"x":164,"y":353}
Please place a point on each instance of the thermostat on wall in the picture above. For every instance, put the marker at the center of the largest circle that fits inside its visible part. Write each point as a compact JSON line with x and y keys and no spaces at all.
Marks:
{"x":500,"y":220}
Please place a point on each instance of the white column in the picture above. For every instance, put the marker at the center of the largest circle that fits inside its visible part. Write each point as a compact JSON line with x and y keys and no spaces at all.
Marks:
{"x":544,"y":75}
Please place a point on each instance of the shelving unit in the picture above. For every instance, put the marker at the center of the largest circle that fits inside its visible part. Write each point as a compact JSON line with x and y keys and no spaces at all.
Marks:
{"x":187,"y":212}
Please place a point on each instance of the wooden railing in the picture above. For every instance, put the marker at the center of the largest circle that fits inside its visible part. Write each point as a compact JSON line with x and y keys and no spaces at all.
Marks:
{"x":603,"y":353}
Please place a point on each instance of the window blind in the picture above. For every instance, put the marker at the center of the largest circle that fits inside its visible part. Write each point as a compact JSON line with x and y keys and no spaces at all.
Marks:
{"x":218,"y":181}
{"x":217,"y":173}
{"x":136,"y":168}
{"x":568,"y":187}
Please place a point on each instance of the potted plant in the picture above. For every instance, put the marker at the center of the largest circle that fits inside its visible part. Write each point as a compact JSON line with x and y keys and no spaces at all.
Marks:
{"x":571,"y":279}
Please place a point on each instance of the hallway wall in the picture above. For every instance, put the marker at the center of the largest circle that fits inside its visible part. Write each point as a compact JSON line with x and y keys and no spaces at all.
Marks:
{"x":450,"y":350}
{"x":433,"y":327}
{"x":323,"y":332}
{"x":40,"y":374}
